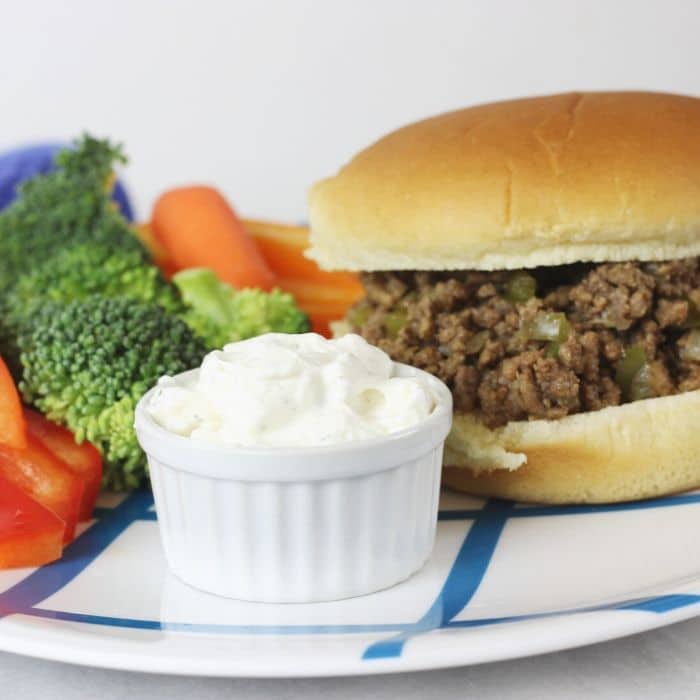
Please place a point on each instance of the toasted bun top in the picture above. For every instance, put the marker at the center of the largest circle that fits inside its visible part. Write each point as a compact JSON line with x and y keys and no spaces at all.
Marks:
{"x":539,"y":181}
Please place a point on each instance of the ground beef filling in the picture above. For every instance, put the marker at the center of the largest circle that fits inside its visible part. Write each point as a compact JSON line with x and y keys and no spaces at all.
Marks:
{"x":542,"y":343}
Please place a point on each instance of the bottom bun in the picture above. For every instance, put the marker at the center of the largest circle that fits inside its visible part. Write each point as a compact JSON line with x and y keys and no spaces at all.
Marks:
{"x":639,"y":450}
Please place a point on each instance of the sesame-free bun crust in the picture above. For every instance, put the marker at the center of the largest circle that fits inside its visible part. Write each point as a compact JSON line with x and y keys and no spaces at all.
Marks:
{"x":638,"y":450}
{"x":541,"y":181}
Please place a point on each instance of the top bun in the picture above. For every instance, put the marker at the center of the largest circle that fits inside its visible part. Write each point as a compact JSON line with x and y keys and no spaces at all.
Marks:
{"x":542,"y":181}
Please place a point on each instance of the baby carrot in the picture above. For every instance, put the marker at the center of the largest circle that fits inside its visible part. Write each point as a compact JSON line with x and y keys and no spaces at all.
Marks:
{"x":198,"y":228}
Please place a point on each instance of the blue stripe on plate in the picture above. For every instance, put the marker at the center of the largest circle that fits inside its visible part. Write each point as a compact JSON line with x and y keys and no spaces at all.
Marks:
{"x":99,"y":513}
{"x":658,"y":604}
{"x":662,"y":603}
{"x":462,"y":581}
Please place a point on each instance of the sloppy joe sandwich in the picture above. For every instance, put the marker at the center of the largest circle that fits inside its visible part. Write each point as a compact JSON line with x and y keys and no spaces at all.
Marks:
{"x":540,"y":256}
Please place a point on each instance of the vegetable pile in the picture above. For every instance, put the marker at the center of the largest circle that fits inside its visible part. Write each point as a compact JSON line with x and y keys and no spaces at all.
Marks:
{"x":93,"y":310}
{"x":88,"y":322}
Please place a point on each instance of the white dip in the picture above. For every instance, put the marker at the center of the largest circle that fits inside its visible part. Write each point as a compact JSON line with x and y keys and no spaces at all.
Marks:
{"x":291,"y":390}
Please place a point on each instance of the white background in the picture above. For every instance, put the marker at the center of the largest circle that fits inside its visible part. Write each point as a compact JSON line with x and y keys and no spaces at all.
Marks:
{"x":262,"y":98}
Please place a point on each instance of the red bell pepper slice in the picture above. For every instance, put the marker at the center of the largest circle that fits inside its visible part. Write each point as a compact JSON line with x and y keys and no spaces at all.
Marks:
{"x":30,"y":535}
{"x":45,"y":478}
{"x":83,"y":459}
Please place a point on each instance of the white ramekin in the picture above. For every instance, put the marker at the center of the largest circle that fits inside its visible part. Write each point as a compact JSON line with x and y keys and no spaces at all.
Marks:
{"x":298,"y":524}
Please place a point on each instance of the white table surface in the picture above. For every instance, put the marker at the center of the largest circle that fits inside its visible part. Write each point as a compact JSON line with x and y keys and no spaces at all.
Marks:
{"x":664,"y":663}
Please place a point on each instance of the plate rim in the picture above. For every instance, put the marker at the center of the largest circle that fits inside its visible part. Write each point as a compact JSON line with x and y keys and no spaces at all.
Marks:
{"x":572,"y":633}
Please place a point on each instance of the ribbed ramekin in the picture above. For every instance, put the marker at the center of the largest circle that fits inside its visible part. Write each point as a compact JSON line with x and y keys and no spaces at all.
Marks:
{"x":298,"y":524}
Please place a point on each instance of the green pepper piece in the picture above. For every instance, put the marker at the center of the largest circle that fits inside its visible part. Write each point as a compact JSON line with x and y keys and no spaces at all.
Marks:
{"x":628,"y":372}
{"x":552,"y":349}
{"x":359,"y":314}
{"x":548,"y":325}
{"x":520,"y":287}
{"x":395,"y":321}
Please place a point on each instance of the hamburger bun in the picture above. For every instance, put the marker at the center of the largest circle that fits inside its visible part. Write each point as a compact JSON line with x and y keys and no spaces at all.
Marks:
{"x":540,"y":181}
{"x":581,"y":177}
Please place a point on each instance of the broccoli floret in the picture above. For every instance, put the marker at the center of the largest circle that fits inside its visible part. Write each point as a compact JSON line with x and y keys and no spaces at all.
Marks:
{"x":93,"y":268}
{"x":65,"y":206}
{"x":221,"y":314}
{"x":75,"y":273}
{"x":87,"y":363}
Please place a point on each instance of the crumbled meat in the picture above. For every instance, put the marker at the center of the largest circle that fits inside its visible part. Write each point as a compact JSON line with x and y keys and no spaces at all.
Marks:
{"x":464,"y":327}
{"x":528,"y":386}
{"x":613,"y":296}
{"x":601,"y":394}
{"x":466,"y":386}
{"x":611,"y":346}
{"x":660,"y":379}
{"x":674,"y":278}
{"x":671,"y":312}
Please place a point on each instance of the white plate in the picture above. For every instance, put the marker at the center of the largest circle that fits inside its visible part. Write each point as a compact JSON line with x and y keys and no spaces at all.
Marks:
{"x":504,"y":581}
